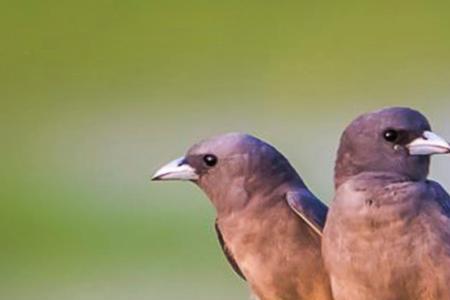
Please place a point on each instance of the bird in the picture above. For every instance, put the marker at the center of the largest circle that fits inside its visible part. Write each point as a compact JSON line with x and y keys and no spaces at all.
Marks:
{"x":268,"y":223}
{"x":387,"y":235}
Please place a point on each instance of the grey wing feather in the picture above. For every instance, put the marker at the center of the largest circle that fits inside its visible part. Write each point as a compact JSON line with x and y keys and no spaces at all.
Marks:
{"x":309,"y":208}
{"x":227,"y":253}
{"x":441,"y":196}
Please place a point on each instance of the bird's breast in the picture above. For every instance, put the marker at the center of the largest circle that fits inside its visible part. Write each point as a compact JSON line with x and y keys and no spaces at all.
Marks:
{"x":272,"y":251}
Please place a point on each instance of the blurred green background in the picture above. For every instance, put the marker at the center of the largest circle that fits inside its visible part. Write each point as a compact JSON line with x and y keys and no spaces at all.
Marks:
{"x":96,"y":95}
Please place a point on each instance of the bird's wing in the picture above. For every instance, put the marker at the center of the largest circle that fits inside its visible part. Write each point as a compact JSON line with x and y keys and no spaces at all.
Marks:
{"x":309,"y":208}
{"x":228,"y":253}
{"x":441,"y":197}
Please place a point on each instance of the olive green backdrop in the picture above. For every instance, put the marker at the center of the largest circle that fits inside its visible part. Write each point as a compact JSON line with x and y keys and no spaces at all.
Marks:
{"x":96,"y":95}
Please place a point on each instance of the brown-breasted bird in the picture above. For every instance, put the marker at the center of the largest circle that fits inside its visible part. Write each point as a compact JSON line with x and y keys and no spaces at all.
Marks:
{"x":387,"y":235}
{"x":268,"y":223}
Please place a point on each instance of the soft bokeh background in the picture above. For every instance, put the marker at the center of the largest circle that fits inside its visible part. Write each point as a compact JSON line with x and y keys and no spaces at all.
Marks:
{"x":96,"y":95}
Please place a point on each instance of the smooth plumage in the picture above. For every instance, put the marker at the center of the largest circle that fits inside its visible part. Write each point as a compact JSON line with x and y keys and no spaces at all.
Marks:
{"x":268,"y":223}
{"x":387,"y":235}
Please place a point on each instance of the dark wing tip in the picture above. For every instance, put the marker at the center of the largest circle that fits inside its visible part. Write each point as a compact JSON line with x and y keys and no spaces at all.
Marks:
{"x":308,"y":208}
{"x":227,"y":252}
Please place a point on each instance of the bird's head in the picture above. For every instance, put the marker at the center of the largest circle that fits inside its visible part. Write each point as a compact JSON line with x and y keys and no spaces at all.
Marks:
{"x":230,"y":166}
{"x":394,"y":140}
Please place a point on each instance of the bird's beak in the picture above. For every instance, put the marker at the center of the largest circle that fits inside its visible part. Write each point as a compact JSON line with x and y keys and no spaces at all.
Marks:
{"x":429,"y":143}
{"x":177,"y":169}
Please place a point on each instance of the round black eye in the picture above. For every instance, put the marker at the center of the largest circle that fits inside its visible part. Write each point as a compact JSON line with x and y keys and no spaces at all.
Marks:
{"x":210,"y":160}
{"x":390,"y":135}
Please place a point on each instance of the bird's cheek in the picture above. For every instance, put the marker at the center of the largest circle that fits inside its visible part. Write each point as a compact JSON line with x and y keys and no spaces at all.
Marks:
{"x":200,"y":181}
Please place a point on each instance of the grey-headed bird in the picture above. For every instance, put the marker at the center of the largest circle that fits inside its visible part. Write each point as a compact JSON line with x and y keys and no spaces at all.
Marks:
{"x":267,"y":221}
{"x":387,"y":236}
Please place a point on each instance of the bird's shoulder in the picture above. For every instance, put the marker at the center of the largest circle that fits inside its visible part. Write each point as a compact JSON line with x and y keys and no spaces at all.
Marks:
{"x":309,"y":208}
{"x":439,"y":196}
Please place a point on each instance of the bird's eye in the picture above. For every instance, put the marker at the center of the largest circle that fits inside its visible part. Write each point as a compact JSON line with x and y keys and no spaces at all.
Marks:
{"x":390,"y":135}
{"x":210,"y":160}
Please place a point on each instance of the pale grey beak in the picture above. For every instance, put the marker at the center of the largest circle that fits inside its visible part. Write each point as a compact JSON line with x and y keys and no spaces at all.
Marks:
{"x":429,"y":143}
{"x":177,"y":169}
